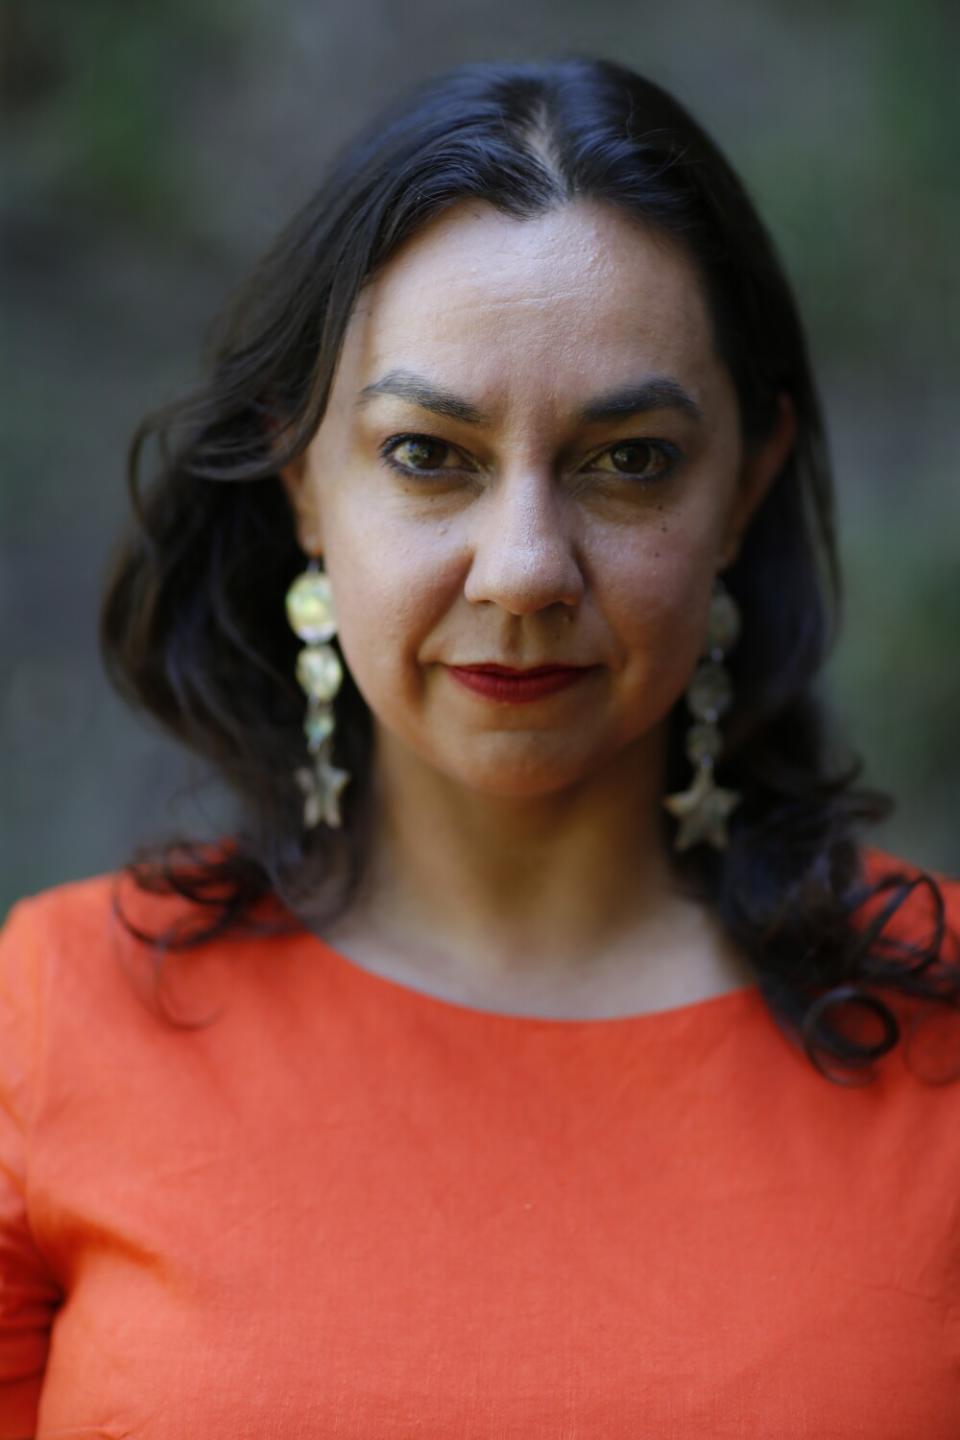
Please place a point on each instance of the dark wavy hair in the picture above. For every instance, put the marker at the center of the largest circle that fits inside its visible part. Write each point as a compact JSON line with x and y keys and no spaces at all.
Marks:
{"x":193,"y":625}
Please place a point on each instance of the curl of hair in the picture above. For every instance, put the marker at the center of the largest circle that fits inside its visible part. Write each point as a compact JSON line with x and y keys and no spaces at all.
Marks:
{"x":187,"y":636}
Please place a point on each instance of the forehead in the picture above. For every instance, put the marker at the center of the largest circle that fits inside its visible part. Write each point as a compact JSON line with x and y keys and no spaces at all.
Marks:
{"x":573,"y":297}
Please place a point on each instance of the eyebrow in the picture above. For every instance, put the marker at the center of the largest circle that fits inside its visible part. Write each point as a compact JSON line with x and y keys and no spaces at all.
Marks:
{"x":658,"y":392}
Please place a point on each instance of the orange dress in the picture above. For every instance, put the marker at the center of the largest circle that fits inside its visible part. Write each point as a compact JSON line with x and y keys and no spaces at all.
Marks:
{"x":347,"y":1210}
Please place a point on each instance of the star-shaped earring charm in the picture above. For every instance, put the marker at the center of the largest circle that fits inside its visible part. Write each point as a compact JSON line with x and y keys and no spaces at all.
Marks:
{"x":702,"y":811}
{"x":322,"y":786}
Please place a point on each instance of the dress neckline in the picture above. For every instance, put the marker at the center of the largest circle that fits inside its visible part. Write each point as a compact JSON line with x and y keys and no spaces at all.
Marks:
{"x":412,"y":996}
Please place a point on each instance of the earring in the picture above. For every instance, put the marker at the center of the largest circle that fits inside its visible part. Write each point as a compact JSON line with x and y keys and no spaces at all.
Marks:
{"x":703,"y":809}
{"x":309,"y":606}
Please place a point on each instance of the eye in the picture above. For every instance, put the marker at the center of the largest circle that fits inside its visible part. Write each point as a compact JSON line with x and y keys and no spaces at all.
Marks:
{"x":641,"y":459}
{"x":423,"y":454}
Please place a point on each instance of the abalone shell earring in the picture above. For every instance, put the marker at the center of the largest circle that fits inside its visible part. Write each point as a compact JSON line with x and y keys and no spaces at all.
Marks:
{"x":703,"y":809}
{"x":309,"y":606}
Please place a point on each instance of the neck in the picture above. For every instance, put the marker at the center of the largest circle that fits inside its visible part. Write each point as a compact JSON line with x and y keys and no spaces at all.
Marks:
{"x":507,"y":885}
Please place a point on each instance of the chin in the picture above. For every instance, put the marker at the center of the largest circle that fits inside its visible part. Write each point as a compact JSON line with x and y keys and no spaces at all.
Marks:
{"x":529,"y":788}
{"x":521,"y":776}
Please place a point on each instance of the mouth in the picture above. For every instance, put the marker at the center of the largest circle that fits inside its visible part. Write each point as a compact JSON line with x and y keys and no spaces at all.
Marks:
{"x":513,"y":686}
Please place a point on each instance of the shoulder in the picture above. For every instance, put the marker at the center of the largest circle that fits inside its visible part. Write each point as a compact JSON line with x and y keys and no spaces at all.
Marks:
{"x":878,"y":862}
{"x":80,"y":912}
{"x":62,"y":905}
{"x":76,"y":915}
{"x":921,"y":900}
{"x":39,"y":941}
{"x":40,"y":925}
{"x":108,"y":943}
{"x":68,"y":943}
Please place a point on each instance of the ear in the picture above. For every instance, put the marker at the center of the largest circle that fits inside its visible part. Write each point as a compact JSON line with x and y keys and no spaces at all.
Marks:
{"x":304,"y":503}
{"x":759,"y":470}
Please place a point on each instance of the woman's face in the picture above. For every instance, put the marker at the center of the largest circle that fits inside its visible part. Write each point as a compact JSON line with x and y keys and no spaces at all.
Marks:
{"x":530,"y":456}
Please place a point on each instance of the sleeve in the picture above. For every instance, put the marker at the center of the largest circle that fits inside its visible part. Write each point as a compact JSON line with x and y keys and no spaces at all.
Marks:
{"x":29,"y":1294}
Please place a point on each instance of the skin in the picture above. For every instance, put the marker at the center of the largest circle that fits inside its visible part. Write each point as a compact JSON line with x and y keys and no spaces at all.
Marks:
{"x":518,"y":862}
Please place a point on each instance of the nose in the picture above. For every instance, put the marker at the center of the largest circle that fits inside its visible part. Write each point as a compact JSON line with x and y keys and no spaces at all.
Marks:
{"x":525,"y":553}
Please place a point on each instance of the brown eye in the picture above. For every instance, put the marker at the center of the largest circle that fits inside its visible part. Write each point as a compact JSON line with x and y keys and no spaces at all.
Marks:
{"x":416,"y":452}
{"x":643,"y":459}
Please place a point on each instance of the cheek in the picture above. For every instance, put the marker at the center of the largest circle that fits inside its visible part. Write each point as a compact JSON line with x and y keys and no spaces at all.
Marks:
{"x":387,"y":597}
{"x":660,"y":581}
{"x":659,"y":592}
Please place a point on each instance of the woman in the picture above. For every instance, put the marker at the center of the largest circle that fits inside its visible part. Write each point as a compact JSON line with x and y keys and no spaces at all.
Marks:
{"x":503,"y":1073}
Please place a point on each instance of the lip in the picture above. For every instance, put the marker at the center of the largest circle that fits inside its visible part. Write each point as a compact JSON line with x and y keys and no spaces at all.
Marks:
{"x":516,"y":670}
{"x":517,"y":687}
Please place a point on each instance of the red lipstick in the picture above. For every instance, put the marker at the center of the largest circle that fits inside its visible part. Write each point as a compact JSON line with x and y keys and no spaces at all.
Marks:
{"x":516,"y":687}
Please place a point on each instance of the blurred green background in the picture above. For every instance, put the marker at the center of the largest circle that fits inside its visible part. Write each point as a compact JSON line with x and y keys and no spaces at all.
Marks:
{"x":150,"y":152}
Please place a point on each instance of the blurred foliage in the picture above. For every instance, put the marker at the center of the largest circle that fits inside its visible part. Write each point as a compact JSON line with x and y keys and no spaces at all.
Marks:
{"x":97,"y":100}
{"x":861,"y":190}
{"x":91,"y":94}
{"x":895,"y":680}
